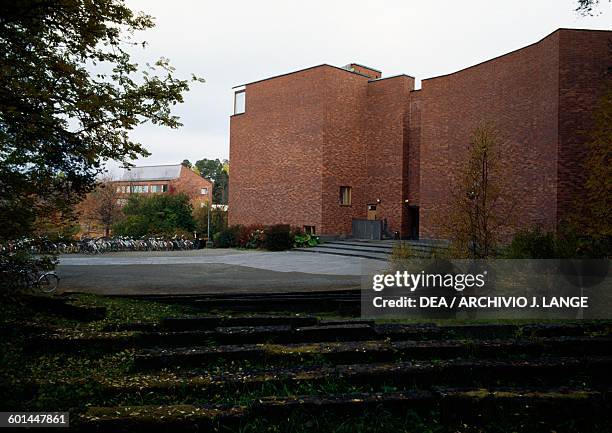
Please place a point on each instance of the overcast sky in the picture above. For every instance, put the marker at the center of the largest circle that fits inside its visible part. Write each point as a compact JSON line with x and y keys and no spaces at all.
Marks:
{"x":235,"y":42}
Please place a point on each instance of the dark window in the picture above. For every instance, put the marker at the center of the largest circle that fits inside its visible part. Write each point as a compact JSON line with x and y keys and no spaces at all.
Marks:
{"x":345,"y":195}
{"x":309,"y":229}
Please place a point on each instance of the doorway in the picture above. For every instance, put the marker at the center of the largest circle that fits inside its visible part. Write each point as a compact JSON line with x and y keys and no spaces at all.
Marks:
{"x":413,"y":215}
{"x":371,"y":212}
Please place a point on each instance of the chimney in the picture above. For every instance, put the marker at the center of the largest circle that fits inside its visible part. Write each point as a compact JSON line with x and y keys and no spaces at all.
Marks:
{"x":364,"y":70}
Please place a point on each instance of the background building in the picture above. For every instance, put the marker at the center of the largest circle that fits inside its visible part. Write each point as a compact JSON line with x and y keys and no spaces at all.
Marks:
{"x":325,"y":145}
{"x":165,"y":179}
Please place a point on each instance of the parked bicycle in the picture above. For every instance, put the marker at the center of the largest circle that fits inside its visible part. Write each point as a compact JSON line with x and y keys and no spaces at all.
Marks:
{"x":99,"y":245}
{"x":27,"y":274}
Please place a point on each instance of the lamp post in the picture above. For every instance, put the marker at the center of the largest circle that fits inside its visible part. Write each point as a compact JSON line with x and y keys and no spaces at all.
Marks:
{"x":209,"y":243}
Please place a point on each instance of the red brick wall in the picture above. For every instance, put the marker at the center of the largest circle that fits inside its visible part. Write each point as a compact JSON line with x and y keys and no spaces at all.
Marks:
{"x":584,"y":58}
{"x":387,"y":148}
{"x":518,"y":93}
{"x":191,"y":184}
{"x":344,"y":152}
{"x":276,"y":151}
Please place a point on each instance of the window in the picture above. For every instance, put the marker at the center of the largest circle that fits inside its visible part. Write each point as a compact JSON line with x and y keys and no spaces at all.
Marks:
{"x":140,"y":188}
{"x":155,"y":188}
{"x":204,"y":191}
{"x":164,"y":188}
{"x":345,"y":196}
{"x":309,"y":229}
{"x":239,"y":102}
{"x":118,"y":189}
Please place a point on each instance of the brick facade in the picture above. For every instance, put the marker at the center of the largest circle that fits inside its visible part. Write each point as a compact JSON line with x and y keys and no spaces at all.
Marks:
{"x":187,"y":182}
{"x":305,"y":134}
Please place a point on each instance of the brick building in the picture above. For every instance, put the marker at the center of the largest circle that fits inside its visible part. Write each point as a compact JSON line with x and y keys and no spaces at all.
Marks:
{"x":325,"y":145}
{"x":165,"y":179}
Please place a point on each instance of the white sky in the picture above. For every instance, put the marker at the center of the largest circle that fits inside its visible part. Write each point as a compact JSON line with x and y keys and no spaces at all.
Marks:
{"x":231,"y":42}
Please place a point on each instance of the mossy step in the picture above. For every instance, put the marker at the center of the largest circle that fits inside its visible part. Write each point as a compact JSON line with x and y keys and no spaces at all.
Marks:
{"x":475,"y":404}
{"x":65,"y":307}
{"x":401,"y":375}
{"x":482,"y":331}
{"x":342,"y":304}
{"x":282,"y":334}
{"x":212,"y":322}
{"x":373,"y":351}
{"x":287,"y":334}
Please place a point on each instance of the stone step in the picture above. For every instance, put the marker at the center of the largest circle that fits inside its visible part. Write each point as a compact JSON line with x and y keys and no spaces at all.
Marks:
{"x":454,"y":404}
{"x":346,"y":253}
{"x":553,"y":371}
{"x":354,"y":352}
{"x":354,"y":247}
{"x":275,"y":332}
{"x":114,"y":341}
{"x":212,"y":322}
{"x":65,"y":307}
{"x":342,"y":302}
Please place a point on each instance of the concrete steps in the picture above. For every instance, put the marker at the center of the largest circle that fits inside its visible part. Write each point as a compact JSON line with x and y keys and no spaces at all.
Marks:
{"x":463,"y":405}
{"x":375,"y":250}
{"x":224,"y":372}
{"x":373,"y":351}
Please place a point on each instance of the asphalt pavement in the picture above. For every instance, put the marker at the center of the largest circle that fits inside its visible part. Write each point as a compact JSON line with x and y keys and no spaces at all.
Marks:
{"x":211,"y":271}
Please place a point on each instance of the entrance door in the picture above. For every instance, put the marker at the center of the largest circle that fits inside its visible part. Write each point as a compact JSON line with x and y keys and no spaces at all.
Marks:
{"x":371,"y":211}
{"x":413,"y":212}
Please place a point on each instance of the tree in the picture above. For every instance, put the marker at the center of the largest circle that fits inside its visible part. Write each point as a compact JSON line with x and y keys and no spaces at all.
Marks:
{"x":480,"y":205}
{"x":218,"y":220}
{"x":216,"y":171}
{"x":586,"y":7}
{"x":101,"y":206}
{"x":592,"y":219}
{"x":156,"y":215}
{"x":69,"y":96}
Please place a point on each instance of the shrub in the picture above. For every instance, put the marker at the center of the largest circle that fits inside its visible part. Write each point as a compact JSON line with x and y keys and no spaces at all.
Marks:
{"x":250,"y":236}
{"x":531,"y":244}
{"x":278,"y":237}
{"x":535,"y":244}
{"x":301,"y":240}
{"x":256,"y":239}
{"x":401,"y":251}
{"x":227,"y":238}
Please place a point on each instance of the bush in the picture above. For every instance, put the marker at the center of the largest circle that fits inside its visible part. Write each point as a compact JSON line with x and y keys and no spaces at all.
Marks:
{"x":532,"y":244}
{"x":228,"y":238}
{"x":535,"y":244}
{"x":251,"y":236}
{"x":278,"y":238}
{"x":301,"y":240}
{"x":401,"y":251}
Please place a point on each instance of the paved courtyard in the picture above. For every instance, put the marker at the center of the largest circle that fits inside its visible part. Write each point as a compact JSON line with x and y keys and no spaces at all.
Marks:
{"x":211,"y":271}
